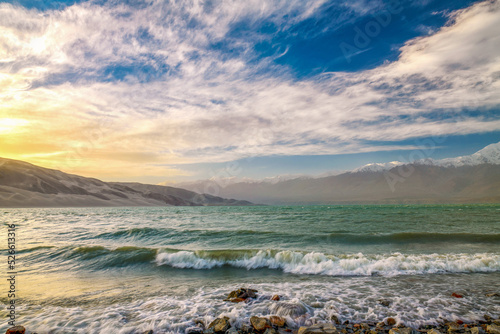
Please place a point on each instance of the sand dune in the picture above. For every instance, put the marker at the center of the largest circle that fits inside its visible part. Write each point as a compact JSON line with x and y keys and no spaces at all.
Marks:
{"x":25,"y":185}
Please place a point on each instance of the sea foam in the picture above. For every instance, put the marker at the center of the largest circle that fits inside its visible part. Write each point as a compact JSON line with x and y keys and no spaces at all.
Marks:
{"x":315,"y":263}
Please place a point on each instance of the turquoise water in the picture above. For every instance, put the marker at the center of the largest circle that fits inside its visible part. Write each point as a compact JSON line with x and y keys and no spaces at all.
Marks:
{"x":127,"y":270}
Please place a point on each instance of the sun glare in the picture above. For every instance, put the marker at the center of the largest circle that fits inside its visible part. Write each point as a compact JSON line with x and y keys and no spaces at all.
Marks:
{"x":10,"y":125}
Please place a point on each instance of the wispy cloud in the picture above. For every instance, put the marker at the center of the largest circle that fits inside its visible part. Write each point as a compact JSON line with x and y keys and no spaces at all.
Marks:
{"x":182,"y":83}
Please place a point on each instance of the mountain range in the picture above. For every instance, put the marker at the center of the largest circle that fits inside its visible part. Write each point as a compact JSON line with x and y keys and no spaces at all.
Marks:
{"x":467,"y":179}
{"x":474,"y":178}
{"x":25,"y":185}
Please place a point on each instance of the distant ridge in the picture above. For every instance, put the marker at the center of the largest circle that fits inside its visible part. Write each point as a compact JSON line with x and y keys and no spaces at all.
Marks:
{"x":488,"y":155}
{"x":25,"y":185}
{"x":467,"y":179}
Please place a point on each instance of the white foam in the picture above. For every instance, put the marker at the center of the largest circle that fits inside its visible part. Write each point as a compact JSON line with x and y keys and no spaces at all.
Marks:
{"x":302,"y":303}
{"x":315,"y":263}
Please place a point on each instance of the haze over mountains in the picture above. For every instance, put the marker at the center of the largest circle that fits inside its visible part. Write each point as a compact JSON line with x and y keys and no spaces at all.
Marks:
{"x":474,"y":178}
{"x":467,"y":179}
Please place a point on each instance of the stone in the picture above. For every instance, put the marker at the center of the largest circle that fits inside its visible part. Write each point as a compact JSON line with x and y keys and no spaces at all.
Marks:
{"x":380,"y":325}
{"x":259,"y":324}
{"x":496,"y":322}
{"x":371,"y":332}
{"x":385,"y":303}
{"x":323,"y":328}
{"x":148,"y":332}
{"x":364,"y":326}
{"x":453,"y":327}
{"x":335,"y":319}
{"x":288,"y":309}
{"x":251,"y":293}
{"x":220,"y":325}
{"x":277,"y":321}
{"x":491,"y":329}
{"x":390,"y":321}
{"x":242,"y":293}
{"x":433,"y":331}
{"x":275,"y":297}
{"x":246,"y":328}
{"x":232,"y":330}
{"x":270,"y":331}
{"x":493,"y":294}
{"x":16,"y":330}
{"x":404,"y":330}
{"x":237,"y":300}
{"x":456,"y":295}
{"x":474,"y":330}
{"x":199,"y":323}
{"x":487,"y":317}
{"x":194,"y":330}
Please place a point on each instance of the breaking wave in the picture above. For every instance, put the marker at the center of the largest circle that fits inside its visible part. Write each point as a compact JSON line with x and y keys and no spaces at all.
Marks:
{"x":315,"y":263}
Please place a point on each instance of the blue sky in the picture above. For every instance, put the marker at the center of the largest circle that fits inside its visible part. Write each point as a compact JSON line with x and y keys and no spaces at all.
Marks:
{"x":157,"y":91}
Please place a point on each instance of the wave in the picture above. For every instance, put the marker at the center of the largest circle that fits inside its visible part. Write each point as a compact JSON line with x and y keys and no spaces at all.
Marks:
{"x":336,"y":237}
{"x":288,"y":261}
{"x":415,"y":237}
{"x":315,"y":263}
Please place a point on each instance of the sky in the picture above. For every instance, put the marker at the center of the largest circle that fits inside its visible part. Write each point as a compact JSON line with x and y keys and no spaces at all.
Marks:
{"x":172,"y":91}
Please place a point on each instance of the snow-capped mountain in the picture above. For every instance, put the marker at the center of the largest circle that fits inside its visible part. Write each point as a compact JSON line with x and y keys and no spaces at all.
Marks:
{"x":377,"y":167}
{"x":488,"y":155}
{"x":474,"y":178}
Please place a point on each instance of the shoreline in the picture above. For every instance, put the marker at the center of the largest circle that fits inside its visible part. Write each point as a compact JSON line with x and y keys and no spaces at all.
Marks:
{"x":284,"y":316}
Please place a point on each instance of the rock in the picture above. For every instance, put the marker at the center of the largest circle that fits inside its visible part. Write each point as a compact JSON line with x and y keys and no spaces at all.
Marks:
{"x":491,"y":329}
{"x":220,"y":325}
{"x":493,"y":294}
{"x":453,"y":327}
{"x":288,"y":309}
{"x":364,"y":326}
{"x":242,"y":293}
{"x":474,"y":330}
{"x":270,"y":331}
{"x":335,"y":319}
{"x":275,"y":297}
{"x":433,"y":331}
{"x":323,"y":328}
{"x":16,"y":330}
{"x":390,"y":321}
{"x":385,"y":303}
{"x":371,"y":332}
{"x":259,"y":324}
{"x":194,"y":330}
{"x":237,"y":300}
{"x":252,"y":293}
{"x":232,"y":330}
{"x":246,"y":328}
{"x":456,"y":295}
{"x":380,"y":325}
{"x":284,"y":330}
{"x":148,"y":332}
{"x":496,"y":322}
{"x":487,"y":317}
{"x":199,"y":323}
{"x":460,"y":322}
{"x":277,"y":321}
{"x":404,"y":330}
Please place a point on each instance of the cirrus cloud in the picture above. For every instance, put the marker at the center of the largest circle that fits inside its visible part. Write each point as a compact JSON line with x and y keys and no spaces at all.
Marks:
{"x":181,"y":82}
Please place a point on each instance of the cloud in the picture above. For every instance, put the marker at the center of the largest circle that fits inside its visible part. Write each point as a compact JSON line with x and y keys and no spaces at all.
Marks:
{"x":181,"y":83}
